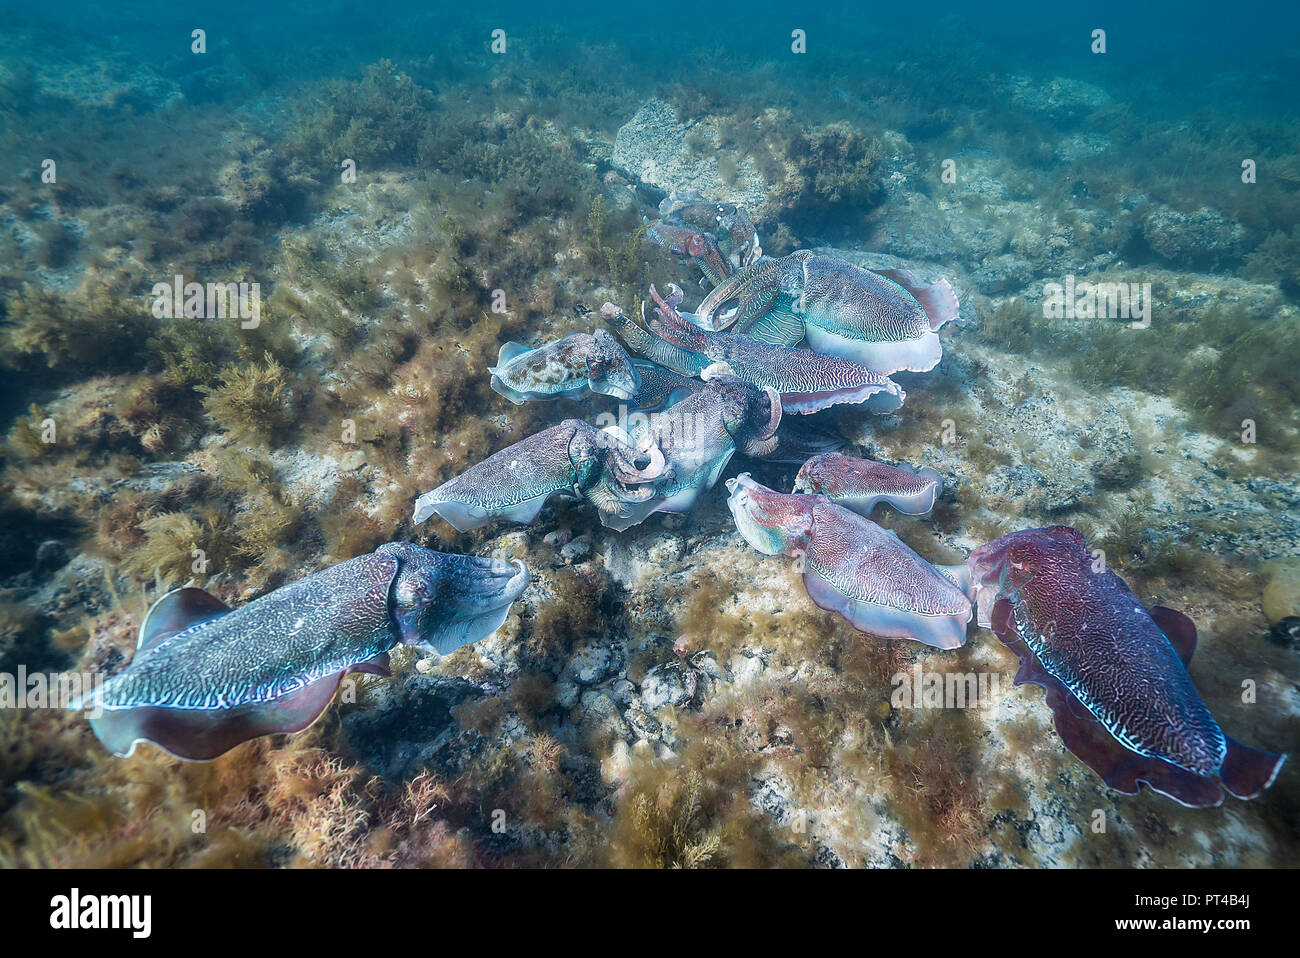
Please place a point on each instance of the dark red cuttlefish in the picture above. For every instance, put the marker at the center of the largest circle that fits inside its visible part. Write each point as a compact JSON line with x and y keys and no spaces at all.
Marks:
{"x":1115,"y":674}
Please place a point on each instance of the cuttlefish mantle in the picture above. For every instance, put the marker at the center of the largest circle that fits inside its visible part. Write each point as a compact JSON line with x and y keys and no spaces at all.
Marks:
{"x":206,"y":677}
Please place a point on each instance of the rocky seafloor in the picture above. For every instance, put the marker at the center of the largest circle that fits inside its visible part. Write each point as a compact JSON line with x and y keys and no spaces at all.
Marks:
{"x":583,"y":732}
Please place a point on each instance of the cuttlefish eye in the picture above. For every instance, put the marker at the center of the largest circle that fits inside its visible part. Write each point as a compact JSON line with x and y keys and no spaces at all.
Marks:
{"x":414,"y":590}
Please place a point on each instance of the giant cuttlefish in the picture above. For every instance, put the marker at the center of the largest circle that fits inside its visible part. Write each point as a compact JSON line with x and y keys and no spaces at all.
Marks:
{"x":807,"y":381}
{"x":572,"y":459}
{"x":565,"y":367}
{"x":854,"y":567}
{"x":206,"y":677}
{"x":885,"y":319}
{"x":719,"y":237}
{"x":697,"y":438}
{"x":859,"y":484}
{"x":1115,"y":672}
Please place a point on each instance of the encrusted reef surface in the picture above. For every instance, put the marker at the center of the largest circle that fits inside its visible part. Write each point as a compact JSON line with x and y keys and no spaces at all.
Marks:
{"x":662,"y":696}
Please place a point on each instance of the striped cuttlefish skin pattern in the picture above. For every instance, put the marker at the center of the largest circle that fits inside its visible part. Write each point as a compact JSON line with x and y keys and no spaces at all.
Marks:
{"x":1116,"y":672}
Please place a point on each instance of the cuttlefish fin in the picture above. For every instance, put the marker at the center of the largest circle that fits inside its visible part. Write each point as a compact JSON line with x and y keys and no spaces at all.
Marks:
{"x":514,"y":395}
{"x":1119,"y":767}
{"x":939,"y":300}
{"x":1247,"y":771}
{"x":200,"y":735}
{"x":527,"y":511}
{"x":960,"y":576}
{"x":509,"y":351}
{"x":379,"y":665}
{"x":1178,"y":629}
{"x":676,"y":396}
{"x":715,"y":473}
{"x":177,"y":611}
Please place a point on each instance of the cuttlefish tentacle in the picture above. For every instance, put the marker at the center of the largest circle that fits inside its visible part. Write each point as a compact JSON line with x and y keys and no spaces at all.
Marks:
{"x":571,"y":459}
{"x":798,"y":440}
{"x":859,"y":484}
{"x":756,"y":436}
{"x":807,"y":381}
{"x":886,"y":320}
{"x":205,"y":677}
{"x":565,"y":367}
{"x":852,"y":566}
{"x":1115,"y":673}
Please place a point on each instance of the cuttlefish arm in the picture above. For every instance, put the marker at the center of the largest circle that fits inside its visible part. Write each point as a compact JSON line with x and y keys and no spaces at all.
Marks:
{"x":700,"y":245}
{"x":859,"y":484}
{"x":732,"y":224}
{"x":799,"y":439}
{"x":572,"y":459}
{"x":759,"y":301}
{"x":696,"y":448}
{"x":205,"y":678}
{"x":1115,"y":673}
{"x":644,"y":343}
{"x":698,"y":437}
{"x":852,"y":566}
{"x":753,"y":414}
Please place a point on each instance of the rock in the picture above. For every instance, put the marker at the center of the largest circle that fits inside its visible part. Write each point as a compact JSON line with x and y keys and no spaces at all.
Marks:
{"x":661,"y":149}
{"x":1028,"y":491}
{"x":665,"y":685}
{"x":1281,"y":597}
{"x":601,"y":711}
{"x":1200,"y":238}
{"x":1003,"y":274}
{"x":50,"y":555}
{"x":1059,"y":98}
{"x":592,"y":664}
{"x":511,"y":545}
{"x":912,"y":226}
{"x":645,"y":726}
{"x":558,"y":537}
{"x":1118,"y":463}
{"x":746,"y":668}
{"x":665,"y":549}
{"x":1081,"y":146}
{"x":566,"y":694}
{"x":576,"y":549}
{"x":631,"y":567}
{"x":352,"y":461}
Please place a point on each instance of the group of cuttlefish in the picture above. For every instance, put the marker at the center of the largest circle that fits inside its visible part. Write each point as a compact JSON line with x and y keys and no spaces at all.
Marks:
{"x":728,"y":377}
